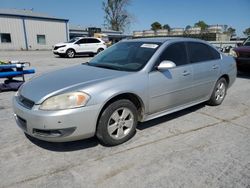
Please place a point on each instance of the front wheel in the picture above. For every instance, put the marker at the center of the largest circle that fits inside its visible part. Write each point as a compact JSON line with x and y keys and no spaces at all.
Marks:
{"x":219,"y":92}
{"x":70,"y":53}
{"x":117,"y":123}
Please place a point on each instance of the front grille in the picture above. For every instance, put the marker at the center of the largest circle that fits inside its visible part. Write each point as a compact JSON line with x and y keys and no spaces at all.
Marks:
{"x":244,"y":54}
{"x":25,"y":102}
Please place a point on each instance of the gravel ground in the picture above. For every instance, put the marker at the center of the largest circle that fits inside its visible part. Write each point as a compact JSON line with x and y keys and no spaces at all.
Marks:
{"x":201,"y":146}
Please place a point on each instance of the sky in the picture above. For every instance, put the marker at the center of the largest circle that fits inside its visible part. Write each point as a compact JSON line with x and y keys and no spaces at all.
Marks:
{"x":176,"y":13}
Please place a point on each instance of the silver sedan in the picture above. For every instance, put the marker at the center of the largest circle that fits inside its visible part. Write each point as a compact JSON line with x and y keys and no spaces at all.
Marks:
{"x":133,"y":80}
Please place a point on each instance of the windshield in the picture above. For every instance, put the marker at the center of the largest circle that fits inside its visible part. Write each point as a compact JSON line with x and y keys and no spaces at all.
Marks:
{"x":125,"y":56}
{"x":72,"y":40}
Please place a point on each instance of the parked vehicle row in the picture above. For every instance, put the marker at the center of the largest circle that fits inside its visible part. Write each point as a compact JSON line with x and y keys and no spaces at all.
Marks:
{"x":131,"y":81}
{"x":242,"y":56}
{"x":79,"y":46}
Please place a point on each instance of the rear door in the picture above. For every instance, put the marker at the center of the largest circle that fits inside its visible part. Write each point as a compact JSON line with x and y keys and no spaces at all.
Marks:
{"x":206,"y":67}
{"x":173,"y":87}
{"x":93,"y":44}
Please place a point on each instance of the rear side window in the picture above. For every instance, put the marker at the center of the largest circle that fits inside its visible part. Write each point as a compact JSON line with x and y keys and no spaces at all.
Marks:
{"x":175,"y":52}
{"x":93,"y":41}
{"x":199,"y":52}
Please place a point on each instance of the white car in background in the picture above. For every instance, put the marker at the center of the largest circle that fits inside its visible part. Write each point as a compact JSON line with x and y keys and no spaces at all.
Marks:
{"x":78,"y":46}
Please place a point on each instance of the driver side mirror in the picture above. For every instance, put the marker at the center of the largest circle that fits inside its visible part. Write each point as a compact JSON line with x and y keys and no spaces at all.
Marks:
{"x":164,"y":65}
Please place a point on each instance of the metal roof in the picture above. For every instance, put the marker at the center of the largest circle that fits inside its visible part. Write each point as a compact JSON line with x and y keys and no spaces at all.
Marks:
{"x":28,"y":13}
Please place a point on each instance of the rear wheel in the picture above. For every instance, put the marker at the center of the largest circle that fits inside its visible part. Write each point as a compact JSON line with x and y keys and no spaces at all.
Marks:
{"x":99,"y":50}
{"x":219,"y":92}
{"x":117,"y":123}
{"x":70,"y":53}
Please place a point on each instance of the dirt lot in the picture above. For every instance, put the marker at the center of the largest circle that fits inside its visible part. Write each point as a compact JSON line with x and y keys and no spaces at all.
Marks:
{"x":201,"y":146}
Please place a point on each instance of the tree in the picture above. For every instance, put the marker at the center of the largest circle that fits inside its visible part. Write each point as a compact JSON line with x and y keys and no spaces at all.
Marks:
{"x":167,"y":27}
{"x":202,"y":25}
{"x":155,"y":26}
{"x":231,"y":31}
{"x":187,"y":27}
{"x":247,"y":31}
{"x":116,"y":16}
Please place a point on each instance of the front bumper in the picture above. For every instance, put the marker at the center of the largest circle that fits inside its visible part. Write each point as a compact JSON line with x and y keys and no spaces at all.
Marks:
{"x":57,"y":126}
{"x":59,"y":51}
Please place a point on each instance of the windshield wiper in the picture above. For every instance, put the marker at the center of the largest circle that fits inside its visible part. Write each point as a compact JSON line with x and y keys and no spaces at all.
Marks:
{"x":105,"y":66}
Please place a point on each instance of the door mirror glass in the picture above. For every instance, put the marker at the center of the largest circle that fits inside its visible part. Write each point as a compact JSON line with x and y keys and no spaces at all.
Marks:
{"x":164,"y":65}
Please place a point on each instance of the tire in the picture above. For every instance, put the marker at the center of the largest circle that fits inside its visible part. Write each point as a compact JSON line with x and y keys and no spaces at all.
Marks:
{"x":70,"y":53}
{"x":219,"y":92}
{"x":117,"y":123}
{"x":99,"y":50}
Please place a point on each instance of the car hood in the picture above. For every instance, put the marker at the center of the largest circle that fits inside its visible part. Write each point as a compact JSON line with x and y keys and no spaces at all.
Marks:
{"x":61,"y":44}
{"x":66,"y":80}
{"x":242,"y":49}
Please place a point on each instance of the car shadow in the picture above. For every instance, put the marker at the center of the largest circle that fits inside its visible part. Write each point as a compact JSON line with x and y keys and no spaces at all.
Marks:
{"x":93,"y":142}
{"x":243,"y":75}
{"x":169,"y":117}
{"x":65,"y":146}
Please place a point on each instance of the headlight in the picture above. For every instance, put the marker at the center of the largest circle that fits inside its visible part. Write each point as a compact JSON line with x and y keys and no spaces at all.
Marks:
{"x":65,"y":101}
{"x":233,"y":53}
{"x":61,"y":46}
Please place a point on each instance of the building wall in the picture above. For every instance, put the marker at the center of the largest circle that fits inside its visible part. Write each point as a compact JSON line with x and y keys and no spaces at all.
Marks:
{"x":14,"y":26}
{"x":54,"y":32}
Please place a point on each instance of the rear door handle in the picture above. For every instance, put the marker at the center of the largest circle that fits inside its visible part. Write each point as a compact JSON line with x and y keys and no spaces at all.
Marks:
{"x":186,"y":73}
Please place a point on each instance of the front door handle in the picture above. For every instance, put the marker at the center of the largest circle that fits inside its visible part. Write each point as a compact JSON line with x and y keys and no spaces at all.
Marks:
{"x":215,"y":66}
{"x":186,"y":73}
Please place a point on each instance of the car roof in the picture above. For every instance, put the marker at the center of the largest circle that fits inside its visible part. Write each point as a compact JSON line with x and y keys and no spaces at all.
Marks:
{"x":165,"y":39}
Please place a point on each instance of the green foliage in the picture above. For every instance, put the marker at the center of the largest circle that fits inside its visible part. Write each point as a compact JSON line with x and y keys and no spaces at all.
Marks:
{"x":247,"y":31}
{"x":167,"y":27}
{"x":231,"y":31}
{"x":187,"y":27}
{"x":155,"y":26}
{"x":116,"y":16}
{"x":202,"y":25}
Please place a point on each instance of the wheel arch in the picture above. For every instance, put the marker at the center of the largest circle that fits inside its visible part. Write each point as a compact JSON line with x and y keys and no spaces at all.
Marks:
{"x":135,"y":99}
{"x":226,"y":78}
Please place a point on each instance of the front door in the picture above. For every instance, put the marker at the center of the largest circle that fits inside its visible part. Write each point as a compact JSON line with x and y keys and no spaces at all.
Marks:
{"x":173,"y":87}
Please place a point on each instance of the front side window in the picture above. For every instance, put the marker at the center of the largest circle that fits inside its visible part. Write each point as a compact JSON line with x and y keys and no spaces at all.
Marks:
{"x":176,"y":53}
{"x":125,"y":56}
{"x":5,"y":37}
{"x":81,"y":41}
{"x":199,"y":52}
{"x":41,"y":39}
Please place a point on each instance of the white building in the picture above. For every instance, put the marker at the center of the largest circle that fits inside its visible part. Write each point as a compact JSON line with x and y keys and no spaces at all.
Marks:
{"x":27,"y":30}
{"x":193,"y":30}
{"x":215,"y":29}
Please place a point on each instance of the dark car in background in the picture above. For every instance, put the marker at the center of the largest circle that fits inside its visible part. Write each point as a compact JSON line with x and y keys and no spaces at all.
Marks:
{"x":242,"y":56}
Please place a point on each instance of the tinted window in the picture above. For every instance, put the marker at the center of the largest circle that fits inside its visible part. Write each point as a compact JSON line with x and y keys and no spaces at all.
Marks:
{"x":199,"y":52}
{"x":176,"y":53}
{"x":82,"y":41}
{"x":93,"y":41}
